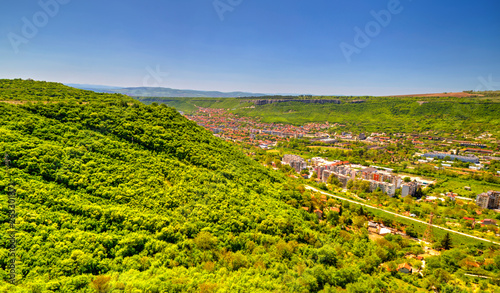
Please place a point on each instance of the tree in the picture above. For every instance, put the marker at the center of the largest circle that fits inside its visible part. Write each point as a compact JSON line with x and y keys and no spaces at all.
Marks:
{"x":204,"y":240}
{"x":350,"y":184}
{"x":446,"y":242}
{"x":332,"y":180}
{"x":410,"y":231}
{"x":407,"y":179}
{"x":333,"y":218}
{"x":101,"y":284}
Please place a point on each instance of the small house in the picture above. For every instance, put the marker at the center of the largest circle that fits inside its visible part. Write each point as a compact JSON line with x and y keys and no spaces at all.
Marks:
{"x":489,"y":222}
{"x":384,"y":231}
{"x":404,"y":268}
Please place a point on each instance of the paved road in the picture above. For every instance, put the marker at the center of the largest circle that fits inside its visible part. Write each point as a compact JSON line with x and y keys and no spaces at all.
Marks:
{"x":478,"y":276}
{"x":395,"y":214}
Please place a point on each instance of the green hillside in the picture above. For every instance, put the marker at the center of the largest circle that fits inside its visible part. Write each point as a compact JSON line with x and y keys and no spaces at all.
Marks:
{"x":391,"y":115}
{"x":41,"y":91}
{"x":116,"y":196}
{"x":447,"y":115}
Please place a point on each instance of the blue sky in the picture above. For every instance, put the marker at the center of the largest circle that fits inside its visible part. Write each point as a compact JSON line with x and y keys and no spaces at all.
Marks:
{"x":291,"y":46}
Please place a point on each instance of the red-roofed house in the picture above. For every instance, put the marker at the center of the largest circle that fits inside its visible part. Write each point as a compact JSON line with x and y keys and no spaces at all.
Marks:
{"x":404,"y":268}
{"x":489,"y":222}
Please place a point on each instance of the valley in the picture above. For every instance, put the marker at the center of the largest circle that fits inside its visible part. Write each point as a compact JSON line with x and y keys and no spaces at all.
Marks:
{"x":114,"y":195}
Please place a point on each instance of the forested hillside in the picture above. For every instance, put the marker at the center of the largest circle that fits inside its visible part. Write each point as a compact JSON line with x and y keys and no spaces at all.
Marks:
{"x":41,"y":91}
{"x":116,"y":196}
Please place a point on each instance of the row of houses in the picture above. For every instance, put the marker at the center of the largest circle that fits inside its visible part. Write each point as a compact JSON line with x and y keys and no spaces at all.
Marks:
{"x":384,"y":180}
{"x":442,"y":156}
{"x":387,"y":182}
{"x":482,"y":222}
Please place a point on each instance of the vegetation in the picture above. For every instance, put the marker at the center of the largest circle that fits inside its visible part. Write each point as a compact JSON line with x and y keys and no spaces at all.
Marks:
{"x":20,"y":91}
{"x":113,"y":195}
{"x":447,"y":213}
{"x":444,"y":116}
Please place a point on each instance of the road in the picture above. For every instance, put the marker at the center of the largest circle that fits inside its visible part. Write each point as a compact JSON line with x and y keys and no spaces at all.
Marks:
{"x":396,"y":214}
{"x":478,"y":276}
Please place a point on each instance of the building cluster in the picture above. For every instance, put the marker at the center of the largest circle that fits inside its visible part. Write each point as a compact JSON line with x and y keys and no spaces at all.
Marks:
{"x":384,"y":180}
{"x":341,"y":170}
{"x":470,"y":144}
{"x":488,"y":200}
{"x":409,"y":188}
{"x":485,"y":222}
{"x":232,"y":127}
{"x":442,"y":156}
{"x":296,"y":162}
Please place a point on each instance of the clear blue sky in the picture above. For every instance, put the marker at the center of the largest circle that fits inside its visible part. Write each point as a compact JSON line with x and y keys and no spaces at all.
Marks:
{"x":281,"y":46}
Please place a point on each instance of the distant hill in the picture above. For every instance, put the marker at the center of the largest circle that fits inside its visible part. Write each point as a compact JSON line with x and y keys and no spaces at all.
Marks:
{"x":94,"y":87}
{"x":409,"y":114}
{"x":163,"y":92}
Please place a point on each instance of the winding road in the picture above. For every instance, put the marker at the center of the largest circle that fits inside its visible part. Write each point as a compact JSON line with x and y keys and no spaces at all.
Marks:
{"x":396,"y":214}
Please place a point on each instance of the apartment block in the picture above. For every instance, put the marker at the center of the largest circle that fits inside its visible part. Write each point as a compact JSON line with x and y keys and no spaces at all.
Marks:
{"x":296,"y":162}
{"x":488,"y":200}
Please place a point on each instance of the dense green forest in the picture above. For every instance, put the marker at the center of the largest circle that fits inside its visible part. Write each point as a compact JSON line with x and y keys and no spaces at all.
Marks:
{"x":117,"y":196}
{"x":41,"y":91}
{"x":452,"y":116}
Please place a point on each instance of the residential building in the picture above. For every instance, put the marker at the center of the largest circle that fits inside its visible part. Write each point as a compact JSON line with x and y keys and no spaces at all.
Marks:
{"x":488,"y":200}
{"x":441,"y":156}
{"x":409,"y":188}
{"x":296,"y":162}
{"x":404,"y":268}
{"x":489,"y":222}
